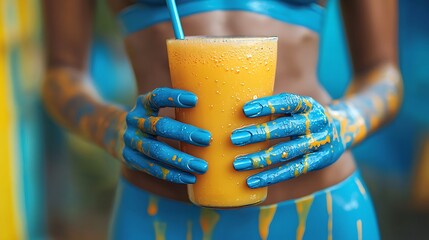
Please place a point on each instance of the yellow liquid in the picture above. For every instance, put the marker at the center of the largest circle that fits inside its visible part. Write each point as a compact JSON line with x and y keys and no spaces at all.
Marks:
{"x":224,"y":73}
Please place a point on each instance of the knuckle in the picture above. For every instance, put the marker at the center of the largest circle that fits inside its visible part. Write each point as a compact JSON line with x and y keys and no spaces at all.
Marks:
{"x":130,"y":119}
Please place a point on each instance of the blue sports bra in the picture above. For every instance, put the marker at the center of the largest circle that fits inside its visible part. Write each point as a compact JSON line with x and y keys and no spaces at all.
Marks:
{"x":146,"y":13}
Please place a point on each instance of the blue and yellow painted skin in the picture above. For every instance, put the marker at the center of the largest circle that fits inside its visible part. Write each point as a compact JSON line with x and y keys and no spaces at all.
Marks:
{"x":143,"y":151}
{"x":318,"y":134}
{"x":129,"y":136}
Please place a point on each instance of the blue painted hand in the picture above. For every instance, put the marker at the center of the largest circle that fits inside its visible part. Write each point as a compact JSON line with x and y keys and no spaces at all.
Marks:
{"x":144,"y":152}
{"x":315,"y":138}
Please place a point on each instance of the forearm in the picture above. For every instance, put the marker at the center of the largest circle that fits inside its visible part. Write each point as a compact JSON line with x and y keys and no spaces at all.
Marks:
{"x":369,"y":105}
{"x":70,"y":99}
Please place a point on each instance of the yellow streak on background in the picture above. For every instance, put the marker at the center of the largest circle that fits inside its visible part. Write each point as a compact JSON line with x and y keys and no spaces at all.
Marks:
{"x":10,"y":225}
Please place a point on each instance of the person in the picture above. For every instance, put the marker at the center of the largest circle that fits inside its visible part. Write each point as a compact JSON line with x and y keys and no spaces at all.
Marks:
{"x":314,"y":187}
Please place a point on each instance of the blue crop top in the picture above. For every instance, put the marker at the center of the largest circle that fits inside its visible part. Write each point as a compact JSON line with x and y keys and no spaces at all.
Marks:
{"x":146,"y":13}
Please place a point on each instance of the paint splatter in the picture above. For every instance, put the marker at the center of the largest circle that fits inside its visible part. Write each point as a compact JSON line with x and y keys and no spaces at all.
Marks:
{"x":359,"y":229}
{"x":266,"y":215}
{"x":152,"y":207}
{"x":361,"y":187}
{"x":329,"y":210}
{"x":189,"y":230}
{"x":208,"y":221}
{"x":160,"y":229}
{"x":302,"y":208}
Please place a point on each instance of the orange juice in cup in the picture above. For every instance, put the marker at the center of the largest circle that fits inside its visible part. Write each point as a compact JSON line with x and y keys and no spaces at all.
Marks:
{"x":224,"y":73}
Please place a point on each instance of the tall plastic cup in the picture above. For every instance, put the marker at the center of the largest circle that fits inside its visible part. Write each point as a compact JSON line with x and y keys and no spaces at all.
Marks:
{"x":224,"y":73}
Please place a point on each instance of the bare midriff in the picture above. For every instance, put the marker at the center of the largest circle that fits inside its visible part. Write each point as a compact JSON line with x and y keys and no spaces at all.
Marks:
{"x":296,"y":73}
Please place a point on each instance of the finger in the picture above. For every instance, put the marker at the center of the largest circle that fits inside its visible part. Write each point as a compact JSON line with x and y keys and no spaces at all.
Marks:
{"x":307,"y":163}
{"x":281,"y":152}
{"x":284,"y":103}
{"x":168,"y":97}
{"x":282,"y":127}
{"x":164,"y":153}
{"x":172,"y":129}
{"x":139,"y":161}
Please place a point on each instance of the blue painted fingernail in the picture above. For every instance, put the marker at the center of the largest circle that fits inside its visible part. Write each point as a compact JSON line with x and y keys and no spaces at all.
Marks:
{"x":253,"y":109}
{"x":198,"y":166}
{"x":240,"y":137}
{"x":188,"y":179}
{"x":254,"y":182}
{"x":187,"y":99}
{"x":242,"y":163}
{"x":201,"y":137}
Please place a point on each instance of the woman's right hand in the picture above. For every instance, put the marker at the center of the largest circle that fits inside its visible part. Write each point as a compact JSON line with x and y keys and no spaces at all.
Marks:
{"x":142,"y":150}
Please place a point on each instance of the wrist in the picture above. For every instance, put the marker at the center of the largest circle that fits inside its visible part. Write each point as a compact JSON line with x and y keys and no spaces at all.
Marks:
{"x":350,"y":125}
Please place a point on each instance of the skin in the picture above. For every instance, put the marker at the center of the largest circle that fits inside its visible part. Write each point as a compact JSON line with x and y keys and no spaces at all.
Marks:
{"x":326,"y":128}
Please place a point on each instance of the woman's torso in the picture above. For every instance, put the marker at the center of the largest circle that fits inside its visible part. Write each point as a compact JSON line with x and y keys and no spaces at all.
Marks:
{"x":296,"y":73}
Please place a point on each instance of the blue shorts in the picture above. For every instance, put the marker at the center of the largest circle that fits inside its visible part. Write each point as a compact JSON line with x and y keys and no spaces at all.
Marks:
{"x":342,"y":211}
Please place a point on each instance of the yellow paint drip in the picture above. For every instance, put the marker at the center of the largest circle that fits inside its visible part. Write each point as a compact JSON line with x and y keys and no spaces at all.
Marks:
{"x":174,"y":158}
{"x":140,"y":145}
{"x":208,"y":221}
{"x":154,"y":122}
{"x":359,"y":229}
{"x":266,"y":215}
{"x":298,"y":106}
{"x":307,"y":124}
{"x":170,"y":99}
{"x":329,"y":210}
{"x":316,"y":144}
{"x":164,"y":173}
{"x":296,"y":172}
{"x":309,"y":105}
{"x":267,"y":130}
{"x":360,"y":186}
{"x":272,"y":109}
{"x":256,"y":162}
{"x":189,"y":231}
{"x":160,"y":229}
{"x":140,"y":122}
{"x":302,"y":207}
{"x":152,"y":207}
{"x":268,"y":160}
{"x":305,"y":166}
{"x":393,"y":102}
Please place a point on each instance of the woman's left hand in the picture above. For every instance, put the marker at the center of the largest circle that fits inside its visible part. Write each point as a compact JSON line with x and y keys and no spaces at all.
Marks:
{"x":315,"y":139}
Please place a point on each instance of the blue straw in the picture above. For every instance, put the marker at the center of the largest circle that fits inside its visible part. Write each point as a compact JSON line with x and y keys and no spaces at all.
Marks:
{"x":177,"y":26}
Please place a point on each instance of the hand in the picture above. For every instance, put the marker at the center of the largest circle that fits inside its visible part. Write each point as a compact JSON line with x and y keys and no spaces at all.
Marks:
{"x":314,"y":142}
{"x":144,"y":152}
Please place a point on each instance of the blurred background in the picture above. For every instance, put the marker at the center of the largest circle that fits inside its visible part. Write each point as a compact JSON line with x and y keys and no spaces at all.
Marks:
{"x":53,"y":185}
